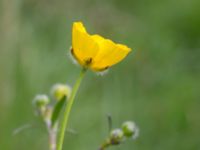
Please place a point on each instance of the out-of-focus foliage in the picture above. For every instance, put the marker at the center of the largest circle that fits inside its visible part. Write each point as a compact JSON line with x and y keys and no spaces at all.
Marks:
{"x":157,"y":86}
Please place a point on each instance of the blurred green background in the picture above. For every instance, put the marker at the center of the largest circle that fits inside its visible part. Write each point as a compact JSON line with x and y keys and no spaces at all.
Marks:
{"x":157,"y":85}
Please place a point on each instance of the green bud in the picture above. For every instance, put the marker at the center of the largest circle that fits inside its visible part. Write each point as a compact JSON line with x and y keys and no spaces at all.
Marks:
{"x":130,"y":129}
{"x":60,"y":90}
{"x":116,"y":136}
{"x":41,"y":100}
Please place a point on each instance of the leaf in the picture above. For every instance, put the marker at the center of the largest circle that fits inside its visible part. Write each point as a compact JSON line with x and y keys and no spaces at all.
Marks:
{"x":57,"y":109}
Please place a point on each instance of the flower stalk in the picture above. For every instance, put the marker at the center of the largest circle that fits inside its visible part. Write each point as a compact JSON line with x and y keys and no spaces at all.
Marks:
{"x":52,"y":139}
{"x":64,"y":121}
{"x":106,"y":144}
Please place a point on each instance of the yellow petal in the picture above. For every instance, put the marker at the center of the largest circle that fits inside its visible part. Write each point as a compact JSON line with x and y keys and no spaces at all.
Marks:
{"x":84,"y":46}
{"x":99,"y":39}
{"x":109,"y":54}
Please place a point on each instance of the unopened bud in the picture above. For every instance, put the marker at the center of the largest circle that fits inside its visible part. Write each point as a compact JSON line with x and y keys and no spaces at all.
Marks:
{"x":61,"y":90}
{"x":130,"y":129}
{"x":116,"y":136}
{"x":41,"y":100}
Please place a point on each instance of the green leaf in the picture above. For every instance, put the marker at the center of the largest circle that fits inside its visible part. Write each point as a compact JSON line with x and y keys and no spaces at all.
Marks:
{"x":57,"y":109}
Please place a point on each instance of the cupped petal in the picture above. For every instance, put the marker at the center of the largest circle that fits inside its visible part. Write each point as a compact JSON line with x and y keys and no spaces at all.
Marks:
{"x":84,"y":47}
{"x":109,"y":54}
{"x":98,"y":39}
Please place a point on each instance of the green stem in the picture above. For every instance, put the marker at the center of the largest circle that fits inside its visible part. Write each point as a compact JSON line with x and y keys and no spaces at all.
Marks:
{"x":67,"y":110}
{"x":106,"y":144}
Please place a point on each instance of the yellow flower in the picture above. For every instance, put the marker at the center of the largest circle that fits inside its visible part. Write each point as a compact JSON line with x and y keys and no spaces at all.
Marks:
{"x":94,"y":51}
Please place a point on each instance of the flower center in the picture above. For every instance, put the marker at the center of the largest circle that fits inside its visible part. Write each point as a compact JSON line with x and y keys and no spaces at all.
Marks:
{"x":88,"y":61}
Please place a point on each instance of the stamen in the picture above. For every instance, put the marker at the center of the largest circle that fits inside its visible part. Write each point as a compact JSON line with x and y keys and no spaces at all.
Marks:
{"x":88,"y":61}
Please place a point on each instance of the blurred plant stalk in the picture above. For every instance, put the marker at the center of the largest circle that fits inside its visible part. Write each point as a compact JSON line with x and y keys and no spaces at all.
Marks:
{"x":52,"y":138}
{"x":64,"y":121}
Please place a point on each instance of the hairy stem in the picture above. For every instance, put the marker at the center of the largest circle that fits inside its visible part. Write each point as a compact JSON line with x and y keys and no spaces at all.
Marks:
{"x":52,"y":140}
{"x":106,"y":144}
{"x":67,"y":110}
{"x":52,"y":133}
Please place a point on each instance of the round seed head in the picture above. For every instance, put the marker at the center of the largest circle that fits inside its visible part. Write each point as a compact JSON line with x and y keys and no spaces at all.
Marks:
{"x":116,"y":136}
{"x":130,"y":129}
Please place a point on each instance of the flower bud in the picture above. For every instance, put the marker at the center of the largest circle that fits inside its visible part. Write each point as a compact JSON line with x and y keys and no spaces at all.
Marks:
{"x":60,"y":90}
{"x":41,"y":100}
{"x":116,"y":136}
{"x":130,"y":129}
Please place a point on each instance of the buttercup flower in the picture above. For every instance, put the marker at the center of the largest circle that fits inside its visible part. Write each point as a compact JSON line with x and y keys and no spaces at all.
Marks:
{"x":94,"y":51}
